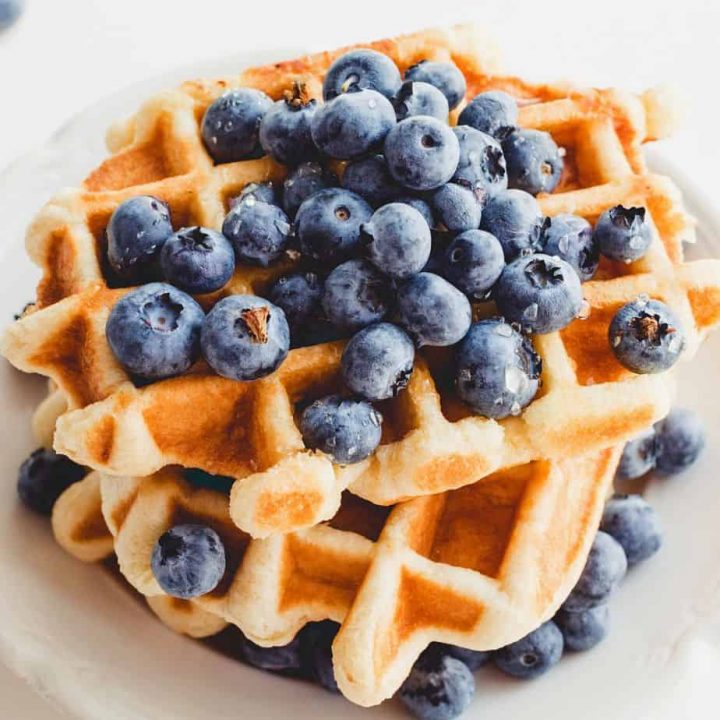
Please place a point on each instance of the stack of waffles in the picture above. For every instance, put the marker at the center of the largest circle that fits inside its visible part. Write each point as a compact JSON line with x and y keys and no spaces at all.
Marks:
{"x":459,"y":528}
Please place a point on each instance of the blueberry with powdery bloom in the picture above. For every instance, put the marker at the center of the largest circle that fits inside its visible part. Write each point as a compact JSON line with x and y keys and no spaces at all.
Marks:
{"x":514,"y":218}
{"x":445,"y":76}
{"x":43,"y":478}
{"x":265,"y":192}
{"x":421,"y":206}
{"x":455,"y":207}
{"x":299,"y":297}
{"x":623,"y":234}
{"x":302,"y":182}
{"x":680,"y":440}
{"x":639,"y":456}
{"x":532,"y":655}
{"x":585,"y":629}
{"x":474,"y":262}
{"x":360,"y":70}
{"x":494,"y":112}
{"x":633,"y":523}
{"x":570,"y":237}
{"x":371,"y":179}
{"x":482,"y":163}
{"x":419,"y":98}
{"x":259,"y":232}
{"x":534,"y":161}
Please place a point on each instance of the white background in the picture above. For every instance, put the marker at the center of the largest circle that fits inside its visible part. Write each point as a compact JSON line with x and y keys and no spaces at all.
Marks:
{"x":66,"y":54}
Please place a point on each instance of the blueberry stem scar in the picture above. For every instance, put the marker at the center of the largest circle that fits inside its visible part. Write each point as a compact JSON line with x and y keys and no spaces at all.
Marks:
{"x":257,"y":320}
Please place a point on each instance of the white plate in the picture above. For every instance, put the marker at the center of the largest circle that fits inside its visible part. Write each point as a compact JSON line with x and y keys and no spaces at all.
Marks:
{"x":94,"y":650}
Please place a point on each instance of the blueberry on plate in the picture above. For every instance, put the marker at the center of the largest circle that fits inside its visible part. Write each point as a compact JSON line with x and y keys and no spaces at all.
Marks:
{"x":265,"y":192}
{"x":371,"y":179}
{"x":362,"y":69}
{"x":299,"y":297}
{"x":356,"y":294}
{"x":494,"y":112}
{"x":422,"y":153}
{"x":497,"y":370}
{"x":570,"y":238}
{"x":585,"y":629}
{"x":302,"y":182}
{"x":680,"y":440}
{"x":258,"y":231}
{"x":352,"y":124}
{"x":421,"y":206}
{"x":10,"y":12}
{"x":646,"y":336}
{"x":419,"y":98}
{"x":532,"y":655}
{"x":378,"y":361}
{"x":328,"y":225}
{"x":347,"y":430}
{"x":397,"y":240}
{"x":639,"y":456}
{"x":439,"y":687}
{"x":635,"y":525}
{"x":231,"y":125}
{"x":605,"y":568}
{"x":188,"y":561}
{"x":482,"y":163}
{"x":540,"y":293}
{"x":197,"y":260}
{"x":623,"y":234}
{"x":43,"y":478}
{"x":534,"y":162}
{"x":474,"y":262}
{"x":316,"y":642}
{"x":445,"y":76}
{"x":474,"y":659}
{"x":135,"y":235}
{"x":154,"y":331}
{"x":456,"y":207}
{"x":285,"y":658}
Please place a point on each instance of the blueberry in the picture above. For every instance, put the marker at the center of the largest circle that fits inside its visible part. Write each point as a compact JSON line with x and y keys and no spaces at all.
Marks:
{"x":10,"y":12}
{"x":623,"y":233}
{"x":635,"y":525}
{"x":680,"y":440}
{"x":265,"y":192}
{"x":570,"y":238}
{"x":302,"y":182}
{"x":197,"y":260}
{"x":316,"y":652}
{"x":497,"y":369}
{"x":473,"y":263}
{"x":639,"y":456}
{"x":445,"y":76}
{"x":646,"y":336}
{"x":356,"y":294}
{"x":432,"y":311}
{"x":585,"y":629}
{"x":474,"y":659}
{"x":371,"y":179}
{"x":299,"y":297}
{"x":421,"y":206}
{"x":328,"y":225}
{"x":439,"y":687}
{"x":259,"y":232}
{"x":285,"y":658}
{"x":494,"y":113}
{"x":419,"y":98}
{"x":532,"y":655}
{"x":514,"y":218}
{"x":362,"y":69}
{"x":540,"y":293}
{"x":456,"y":208}
{"x":135,"y":235}
{"x":245,"y":337}
{"x":188,"y":561}
{"x":397,"y":240}
{"x":482,"y":163}
{"x":605,"y":568}
{"x":422,"y":153}
{"x":534,"y":161}
{"x":352,"y":124}
{"x":199,"y":478}
{"x":44,"y":477}
{"x":347,"y":430}
{"x":154,"y":331}
{"x":231,"y":125}
{"x":378,"y":361}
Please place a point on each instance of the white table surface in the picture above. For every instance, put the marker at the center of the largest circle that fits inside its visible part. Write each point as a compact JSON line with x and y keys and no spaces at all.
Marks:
{"x":63,"y":56}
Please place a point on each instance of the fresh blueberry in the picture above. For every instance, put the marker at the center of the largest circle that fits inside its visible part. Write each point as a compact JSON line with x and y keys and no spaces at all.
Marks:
{"x":494,"y":113}
{"x":10,"y":12}
{"x":623,"y":234}
{"x":497,"y":369}
{"x":439,"y":687}
{"x":265,"y":192}
{"x":639,"y":456}
{"x":445,"y":76}
{"x":44,"y":477}
{"x":356,"y":294}
{"x":482,"y":164}
{"x":646,"y":336}
{"x":474,"y":659}
{"x":259,"y":232}
{"x":421,"y":206}
{"x":371,"y":179}
{"x":534,"y":161}
{"x":231,"y":125}
{"x":634,"y":524}
{"x":352,"y":124}
{"x":570,"y":238}
{"x":540,"y":293}
{"x":302,"y":182}
{"x":362,"y":69}
{"x":245,"y":337}
{"x":422,"y":153}
{"x":419,"y":98}
{"x":514,"y":218}
{"x":432,"y":311}
{"x":299,"y":297}
{"x":197,"y":260}
{"x":328,"y":225}
{"x":605,"y":568}
{"x":347,"y":430}
{"x":680,"y":440}
{"x":532,"y":655}
{"x":473,"y":263}
{"x":397,"y":240}
{"x":585,"y":629}
{"x":455,"y":207}
{"x":285,"y":658}
{"x":154,"y":331}
{"x":188,"y":561}
{"x":378,"y":361}
{"x":199,"y":478}
{"x":135,"y":235}
{"x":316,"y":651}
